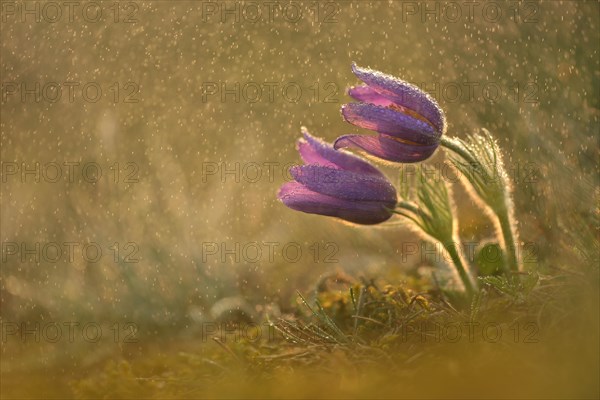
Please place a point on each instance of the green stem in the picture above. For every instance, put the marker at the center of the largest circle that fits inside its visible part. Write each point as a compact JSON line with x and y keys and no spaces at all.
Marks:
{"x":450,"y":144}
{"x":410,"y":207}
{"x":462,"y":272}
{"x":510,"y":247}
{"x":506,"y":226}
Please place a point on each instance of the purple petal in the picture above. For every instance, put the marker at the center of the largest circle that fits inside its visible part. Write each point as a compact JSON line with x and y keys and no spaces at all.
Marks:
{"x":390,"y":122}
{"x":315,"y":151}
{"x":345,"y":184}
{"x":387,"y":148}
{"x":404,"y":94}
{"x":310,"y":155}
{"x":367,"y":94}
{"x":300,"y":198}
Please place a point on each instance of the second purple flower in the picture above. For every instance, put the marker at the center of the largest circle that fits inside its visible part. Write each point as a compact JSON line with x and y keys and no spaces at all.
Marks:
{"x":337,"y":184}
{"x":409,"y":122}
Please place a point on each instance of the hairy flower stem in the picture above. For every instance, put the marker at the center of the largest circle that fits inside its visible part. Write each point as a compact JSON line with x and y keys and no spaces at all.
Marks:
{"x":409,"y":206}
{"x":465,"y":277}
{"x":509,"y":241}
{"x":501,"y":210}
{"x":450,"y":144}
{"x":449,"y":244}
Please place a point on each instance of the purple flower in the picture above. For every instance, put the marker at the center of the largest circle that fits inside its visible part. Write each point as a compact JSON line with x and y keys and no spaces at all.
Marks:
{"x":337,"y":184}
{"x":410,"y":123}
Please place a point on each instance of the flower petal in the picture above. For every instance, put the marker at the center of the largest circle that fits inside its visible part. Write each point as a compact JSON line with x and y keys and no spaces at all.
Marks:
{"x":390,"y":122}
{"x":315,"y":151}
{"x":404,"y":94}
{"x":310,"y":155}
{"x":387,"y":148}
{"x":345,"y":184}
{"x":367,"y":94}
{"x":300,"y":198}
